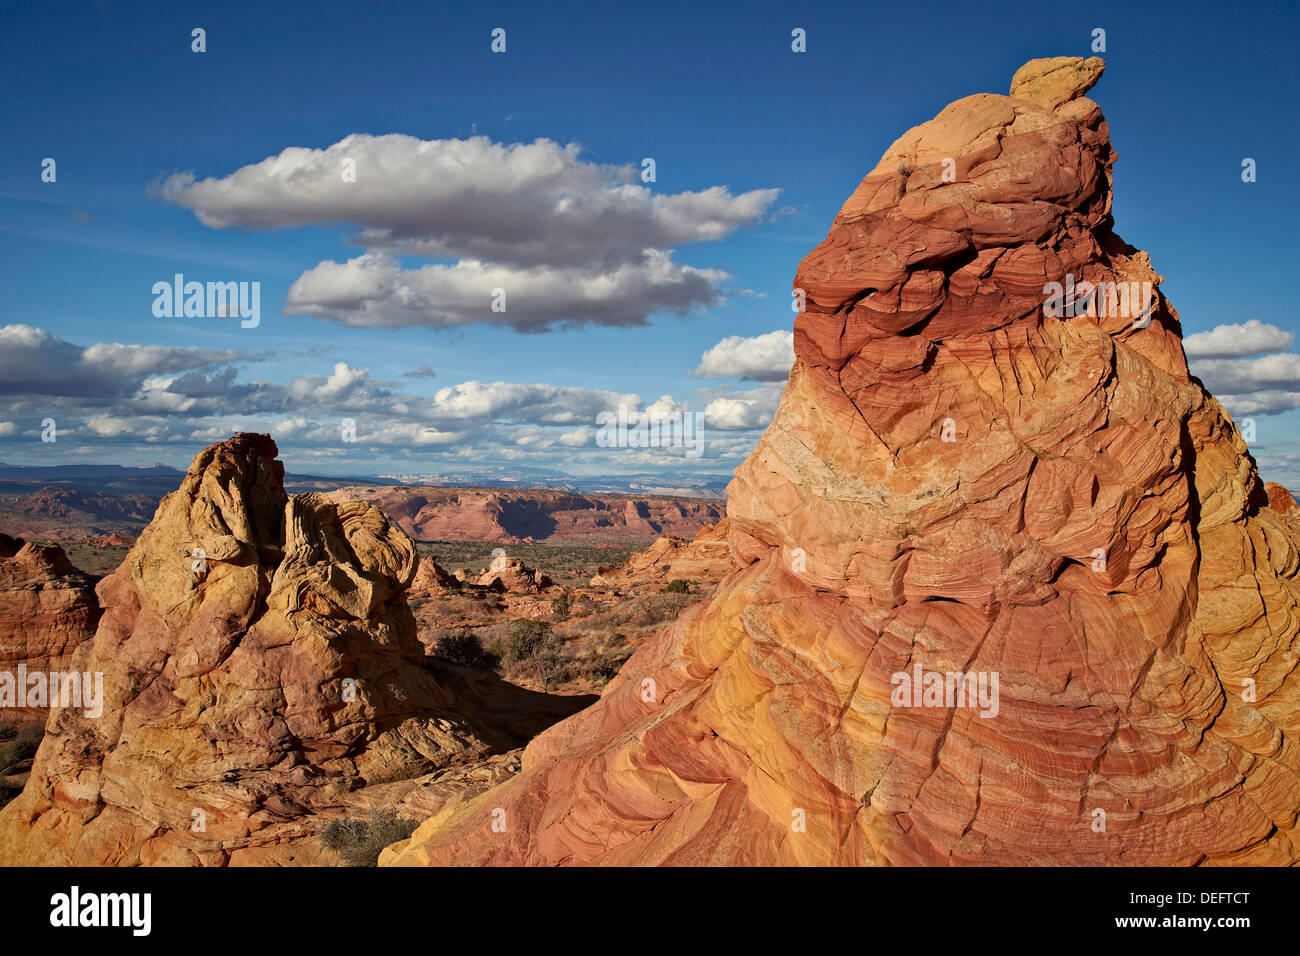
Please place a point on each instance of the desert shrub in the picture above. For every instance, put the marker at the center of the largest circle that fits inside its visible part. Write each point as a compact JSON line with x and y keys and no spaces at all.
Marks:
{"x":465,"y":647}
{"x":532,"y":647}
{"x":526,"y":639}
{"x":561,"y":606}
{"x":359,"y":841}
{"x":657,"y":609}
{"x":636,"y":613}
{"x":601,"y":670}
{"x":8,"y":790}
{"x":26,"y":741}
{"x":613,"y":640}
{"x":677,"y":586}
{"x":555,"y":669}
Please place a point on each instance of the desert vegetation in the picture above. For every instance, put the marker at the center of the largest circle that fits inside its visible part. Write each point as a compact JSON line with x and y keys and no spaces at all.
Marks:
{"x":359,"y":840}
{"x":18,"y":745}
{"x":569,"y":638}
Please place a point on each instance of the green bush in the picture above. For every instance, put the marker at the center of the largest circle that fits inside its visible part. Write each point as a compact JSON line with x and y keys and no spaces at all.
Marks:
{"x":359,"y":842}
{"x":465,"y":647}
{"x":677,"y":586}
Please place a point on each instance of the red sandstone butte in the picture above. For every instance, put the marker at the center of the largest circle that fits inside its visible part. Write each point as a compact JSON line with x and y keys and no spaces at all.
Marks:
{"x":47,"y":610}
{"x":959,"y":482}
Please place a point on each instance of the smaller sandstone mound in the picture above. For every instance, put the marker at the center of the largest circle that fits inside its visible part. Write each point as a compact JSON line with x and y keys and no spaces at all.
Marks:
{"x":431,"y":578}
{"x":1280,"y":499}
{"x":705,"y":561}
{"x":511,"y":575}
{"x":47,"y":610}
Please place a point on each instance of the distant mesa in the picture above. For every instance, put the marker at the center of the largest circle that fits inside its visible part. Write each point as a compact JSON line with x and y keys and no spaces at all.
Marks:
{"x":520,"y":516}
{"x":72,"y":511}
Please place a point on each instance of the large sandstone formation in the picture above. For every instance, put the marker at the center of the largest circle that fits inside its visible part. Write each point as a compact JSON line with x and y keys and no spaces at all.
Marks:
{"x":260,"y":663}
{"x":47,"y":610}
{"x":957,"y":482}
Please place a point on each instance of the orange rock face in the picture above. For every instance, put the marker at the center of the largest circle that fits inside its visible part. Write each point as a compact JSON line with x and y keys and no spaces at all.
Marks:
{"x":1281,"y":500}
{"x":47,"y":610}
{"x":259,"y":663}
{"x":431,"y":578}
{"x":970,"y":474}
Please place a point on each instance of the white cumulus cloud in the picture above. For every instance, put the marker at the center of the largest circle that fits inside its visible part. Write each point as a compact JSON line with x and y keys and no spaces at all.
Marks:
{"x":763,"y":358}
{"x":1237,"y":341}
{"x":570,"y":241}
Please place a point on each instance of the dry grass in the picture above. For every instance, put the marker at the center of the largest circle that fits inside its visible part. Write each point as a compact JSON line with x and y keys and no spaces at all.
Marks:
{"x":360,"y":841}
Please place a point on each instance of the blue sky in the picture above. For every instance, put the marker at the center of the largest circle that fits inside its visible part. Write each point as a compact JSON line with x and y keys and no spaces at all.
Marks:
{"x":113,"y":92}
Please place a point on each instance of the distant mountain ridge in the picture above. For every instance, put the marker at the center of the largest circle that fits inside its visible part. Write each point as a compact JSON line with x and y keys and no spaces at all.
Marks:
{"x":159,"y":479}
{"x":518,"y":515}
{"x":112,"y":505}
